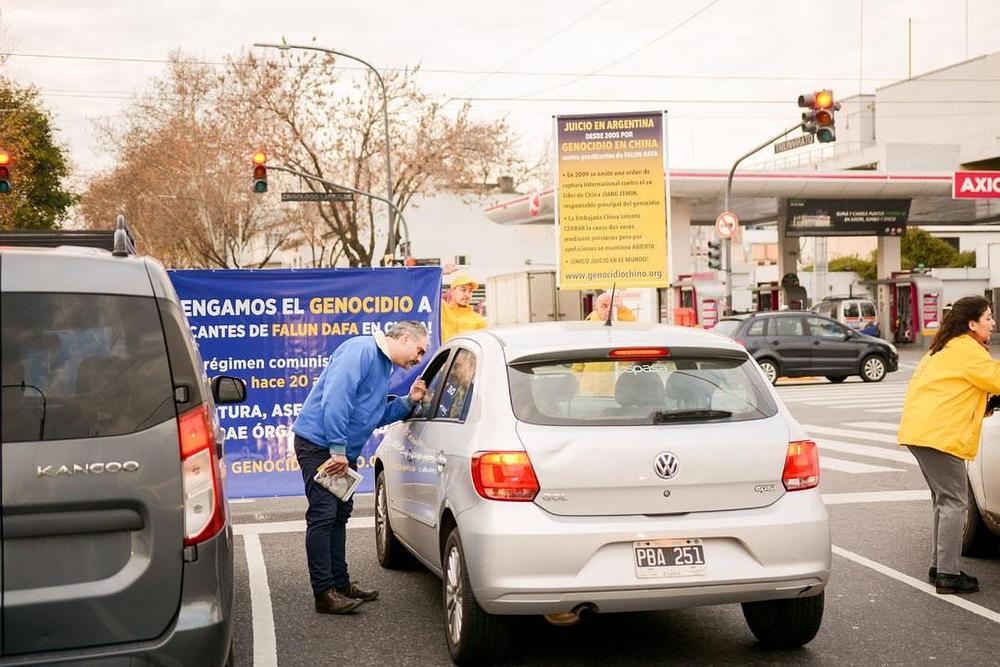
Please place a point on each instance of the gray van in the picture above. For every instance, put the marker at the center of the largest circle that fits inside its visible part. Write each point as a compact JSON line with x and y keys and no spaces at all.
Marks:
{"x":116,"y":541}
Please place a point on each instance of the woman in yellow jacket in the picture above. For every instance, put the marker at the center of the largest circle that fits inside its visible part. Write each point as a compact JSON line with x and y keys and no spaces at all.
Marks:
{"x":942,"y":418}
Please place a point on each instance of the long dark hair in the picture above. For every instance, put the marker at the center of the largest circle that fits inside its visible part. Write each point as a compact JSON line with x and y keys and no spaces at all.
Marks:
{"x":956,"y":322}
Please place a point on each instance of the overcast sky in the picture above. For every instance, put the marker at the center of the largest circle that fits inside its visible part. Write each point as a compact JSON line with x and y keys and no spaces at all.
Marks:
{"x":520,"y":59}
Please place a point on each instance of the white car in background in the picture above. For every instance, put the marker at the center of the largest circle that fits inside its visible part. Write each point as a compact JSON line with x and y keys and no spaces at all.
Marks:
{"x":563,"y":468}
{"x":982,"y":525}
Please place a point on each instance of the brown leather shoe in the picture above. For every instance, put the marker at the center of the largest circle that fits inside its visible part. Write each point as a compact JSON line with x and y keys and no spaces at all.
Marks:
{"x":352,"y":591}
{"x":332,"y":602}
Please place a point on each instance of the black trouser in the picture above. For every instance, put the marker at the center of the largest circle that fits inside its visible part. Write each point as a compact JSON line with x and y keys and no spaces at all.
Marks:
{"x":326,"y":522}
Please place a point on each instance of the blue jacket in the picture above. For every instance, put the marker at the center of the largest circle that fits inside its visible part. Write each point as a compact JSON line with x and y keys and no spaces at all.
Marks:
{"x":349,"y":400}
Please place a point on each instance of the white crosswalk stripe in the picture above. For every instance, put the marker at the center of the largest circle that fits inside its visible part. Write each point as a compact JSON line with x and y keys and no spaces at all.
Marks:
{"x":875,"y":426}
{"x":865,"y":440}
{"x":875,"y":398}
{"x":853,"y":467}
{"x":851,"y":433}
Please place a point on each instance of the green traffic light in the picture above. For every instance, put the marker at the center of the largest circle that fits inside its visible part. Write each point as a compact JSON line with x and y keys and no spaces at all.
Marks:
{"x":4,"y":187}
{"x":825,"y":135}
{"x":260,"y":186}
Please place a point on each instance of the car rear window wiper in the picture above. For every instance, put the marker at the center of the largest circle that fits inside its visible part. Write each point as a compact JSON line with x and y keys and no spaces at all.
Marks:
{"x":662,"y":416}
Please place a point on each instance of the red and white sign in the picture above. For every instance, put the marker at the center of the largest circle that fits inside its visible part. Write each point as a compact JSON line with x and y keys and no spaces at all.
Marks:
{"x":976,"y":185}
{"x":727,"y":224}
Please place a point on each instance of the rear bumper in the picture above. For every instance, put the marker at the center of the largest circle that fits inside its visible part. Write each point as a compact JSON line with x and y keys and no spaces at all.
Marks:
{"x":200,"y":633}
{"x":523,"y":560}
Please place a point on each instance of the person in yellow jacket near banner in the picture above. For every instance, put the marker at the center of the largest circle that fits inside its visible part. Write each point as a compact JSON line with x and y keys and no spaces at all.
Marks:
{"x":942,"y":418}
{"x":458,"y":315}
{"x":598,"y":378}
{"x":601,"y":307}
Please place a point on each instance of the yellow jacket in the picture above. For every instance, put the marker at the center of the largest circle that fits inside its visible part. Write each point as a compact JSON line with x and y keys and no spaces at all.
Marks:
{"x":455,"y":319}
{"x":946,"y":400}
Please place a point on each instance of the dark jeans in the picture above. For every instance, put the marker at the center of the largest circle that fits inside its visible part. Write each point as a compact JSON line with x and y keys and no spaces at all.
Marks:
{"x":326,"y":522}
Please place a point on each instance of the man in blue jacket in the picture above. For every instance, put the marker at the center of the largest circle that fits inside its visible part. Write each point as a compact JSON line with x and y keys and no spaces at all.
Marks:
{"x":347,"y":403}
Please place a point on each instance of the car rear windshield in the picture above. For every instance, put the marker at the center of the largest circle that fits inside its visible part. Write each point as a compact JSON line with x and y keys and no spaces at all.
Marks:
{"x":81,"y":366}
{"x":597,"y":392}
{"x":727,"y":327}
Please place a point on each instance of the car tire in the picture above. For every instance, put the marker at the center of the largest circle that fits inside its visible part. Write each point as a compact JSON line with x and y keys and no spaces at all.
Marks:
{"x":474,"y":637}
{"x":391,"y":553}
{"x":977,"y":540}
{"x":771,"y":369}
{"x":873,"y":368}
{"x":786,"y":623}
{"x":836,"y":379}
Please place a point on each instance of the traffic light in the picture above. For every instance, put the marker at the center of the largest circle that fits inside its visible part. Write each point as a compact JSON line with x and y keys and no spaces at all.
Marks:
{"x":715,"y":255}
{"x":4,"y":171}
{"x":260,"y":171}
{"x":819,"y":119}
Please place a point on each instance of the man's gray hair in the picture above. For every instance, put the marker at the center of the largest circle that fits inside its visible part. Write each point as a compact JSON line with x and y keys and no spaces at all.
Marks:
{"x":412,"y":327}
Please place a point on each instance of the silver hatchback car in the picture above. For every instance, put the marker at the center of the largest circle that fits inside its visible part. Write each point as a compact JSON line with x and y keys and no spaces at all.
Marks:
{"x":563,"y":468}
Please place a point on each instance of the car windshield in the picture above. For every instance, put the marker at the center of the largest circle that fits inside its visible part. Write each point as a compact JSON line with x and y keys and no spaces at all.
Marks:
{"x":598,"y":392}
{"x":727,"y":327}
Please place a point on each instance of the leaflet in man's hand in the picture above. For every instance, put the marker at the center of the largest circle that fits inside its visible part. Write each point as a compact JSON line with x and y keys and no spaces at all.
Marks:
{"x":342,"y":486}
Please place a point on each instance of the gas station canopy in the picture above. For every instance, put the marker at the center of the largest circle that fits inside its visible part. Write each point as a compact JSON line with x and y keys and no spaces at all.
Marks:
{"x":756,"y":195}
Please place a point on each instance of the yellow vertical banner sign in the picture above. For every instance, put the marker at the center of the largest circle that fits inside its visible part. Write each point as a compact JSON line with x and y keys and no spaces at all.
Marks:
{"x":611,"y":206}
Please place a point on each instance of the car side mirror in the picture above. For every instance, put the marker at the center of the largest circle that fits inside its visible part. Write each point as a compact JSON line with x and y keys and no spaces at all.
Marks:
{"x":228,"y":389}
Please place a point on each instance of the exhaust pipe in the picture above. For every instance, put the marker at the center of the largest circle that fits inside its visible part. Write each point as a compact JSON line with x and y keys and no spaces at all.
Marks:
{"x":568,"y":618}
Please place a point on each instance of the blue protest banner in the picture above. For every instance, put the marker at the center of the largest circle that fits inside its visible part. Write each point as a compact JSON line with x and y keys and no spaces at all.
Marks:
{"x":276,"y":329}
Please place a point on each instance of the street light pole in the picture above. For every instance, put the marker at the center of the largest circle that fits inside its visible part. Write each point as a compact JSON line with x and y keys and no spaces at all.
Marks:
{"x":729,"y":188}
{"x":385,"y":119}
{"x":313,"y":177}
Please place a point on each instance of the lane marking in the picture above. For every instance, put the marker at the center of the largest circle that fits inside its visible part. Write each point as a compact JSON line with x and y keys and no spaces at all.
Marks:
{"x":269,"y":528}
{"x":845,"y":433}
{"x":923,"y":587}
{"x":890,"y":411}
{"x":875,"y":497}
{"x":864,"y":405}
{"x":891,"y":427}
{"x":873,"y":451}
{"x":265,"y":644}
{"x":850,"y":466}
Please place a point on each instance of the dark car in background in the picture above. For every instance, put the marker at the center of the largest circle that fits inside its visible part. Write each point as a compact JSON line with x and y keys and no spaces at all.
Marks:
{"x":799,"y":344}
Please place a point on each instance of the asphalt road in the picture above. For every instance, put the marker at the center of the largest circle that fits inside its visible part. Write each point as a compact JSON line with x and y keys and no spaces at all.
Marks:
{"x":879,"y":608}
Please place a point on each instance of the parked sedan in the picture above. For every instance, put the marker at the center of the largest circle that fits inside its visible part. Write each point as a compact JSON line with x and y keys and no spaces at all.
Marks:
{"x":982,"y":525}
{"x":564,"y":468}
{"x":793,"y":343}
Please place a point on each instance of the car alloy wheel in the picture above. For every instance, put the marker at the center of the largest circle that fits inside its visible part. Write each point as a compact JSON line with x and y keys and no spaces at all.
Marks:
{"x":770,"y":371}
{"x":381,"y":518}
{"x":873,"y":369}
{"x":453,"y":595}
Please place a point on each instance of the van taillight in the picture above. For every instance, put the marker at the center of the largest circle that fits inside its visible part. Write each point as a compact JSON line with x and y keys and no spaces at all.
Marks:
{"x":801,"y":466}
{"x":504,"y":476}
{"x":204,"y":514}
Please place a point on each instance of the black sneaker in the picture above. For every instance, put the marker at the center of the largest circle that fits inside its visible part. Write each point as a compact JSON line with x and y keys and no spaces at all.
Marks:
{"x":955,"y":583}
{"x":932,"y":575}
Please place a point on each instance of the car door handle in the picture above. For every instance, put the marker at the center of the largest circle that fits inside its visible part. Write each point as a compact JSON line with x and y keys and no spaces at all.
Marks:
{"x":441,"y":459}
{"x":775,"y":342}
{"x":815,"y":342}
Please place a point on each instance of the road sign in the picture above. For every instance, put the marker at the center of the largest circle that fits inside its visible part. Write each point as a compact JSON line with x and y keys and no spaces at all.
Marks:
{"x":726,"y":224}
{"x":317,"y":196}
{"x":797,"y":142}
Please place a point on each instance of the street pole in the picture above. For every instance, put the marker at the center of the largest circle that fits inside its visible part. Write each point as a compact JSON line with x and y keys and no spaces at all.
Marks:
{"x":729,"y":188}
{"x":331,"y":184}
{"x":391,"y":244}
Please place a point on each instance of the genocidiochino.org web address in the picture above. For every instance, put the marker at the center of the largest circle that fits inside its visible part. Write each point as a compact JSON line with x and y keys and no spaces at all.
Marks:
{"x":614,"y":274}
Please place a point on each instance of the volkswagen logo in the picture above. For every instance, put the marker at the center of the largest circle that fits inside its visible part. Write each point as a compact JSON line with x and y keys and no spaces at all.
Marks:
{"x":665,"y":465}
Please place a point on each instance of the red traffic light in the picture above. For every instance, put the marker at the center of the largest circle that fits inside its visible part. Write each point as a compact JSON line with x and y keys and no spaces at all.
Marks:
{"x":260,"y":171}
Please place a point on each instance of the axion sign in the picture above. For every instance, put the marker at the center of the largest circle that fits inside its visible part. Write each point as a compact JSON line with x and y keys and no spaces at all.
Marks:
{"x":976,"y":185}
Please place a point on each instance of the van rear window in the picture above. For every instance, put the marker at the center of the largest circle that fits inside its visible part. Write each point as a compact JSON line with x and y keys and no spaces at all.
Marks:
{"x":595,"y":392}
{"x":81,"y":366}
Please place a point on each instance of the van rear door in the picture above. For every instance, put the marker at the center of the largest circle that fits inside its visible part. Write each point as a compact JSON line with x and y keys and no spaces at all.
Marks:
{"x":92,"y":491}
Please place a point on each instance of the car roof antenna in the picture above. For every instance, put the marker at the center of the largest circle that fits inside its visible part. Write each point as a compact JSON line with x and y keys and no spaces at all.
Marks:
{"x":611,"y":308}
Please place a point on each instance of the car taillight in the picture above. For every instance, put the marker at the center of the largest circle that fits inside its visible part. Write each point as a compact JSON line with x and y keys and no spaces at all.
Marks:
{"x":504,"y":476}
{"x":204,"y":514}
{"x":801,"y":466}
{"x":639,"y":353}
